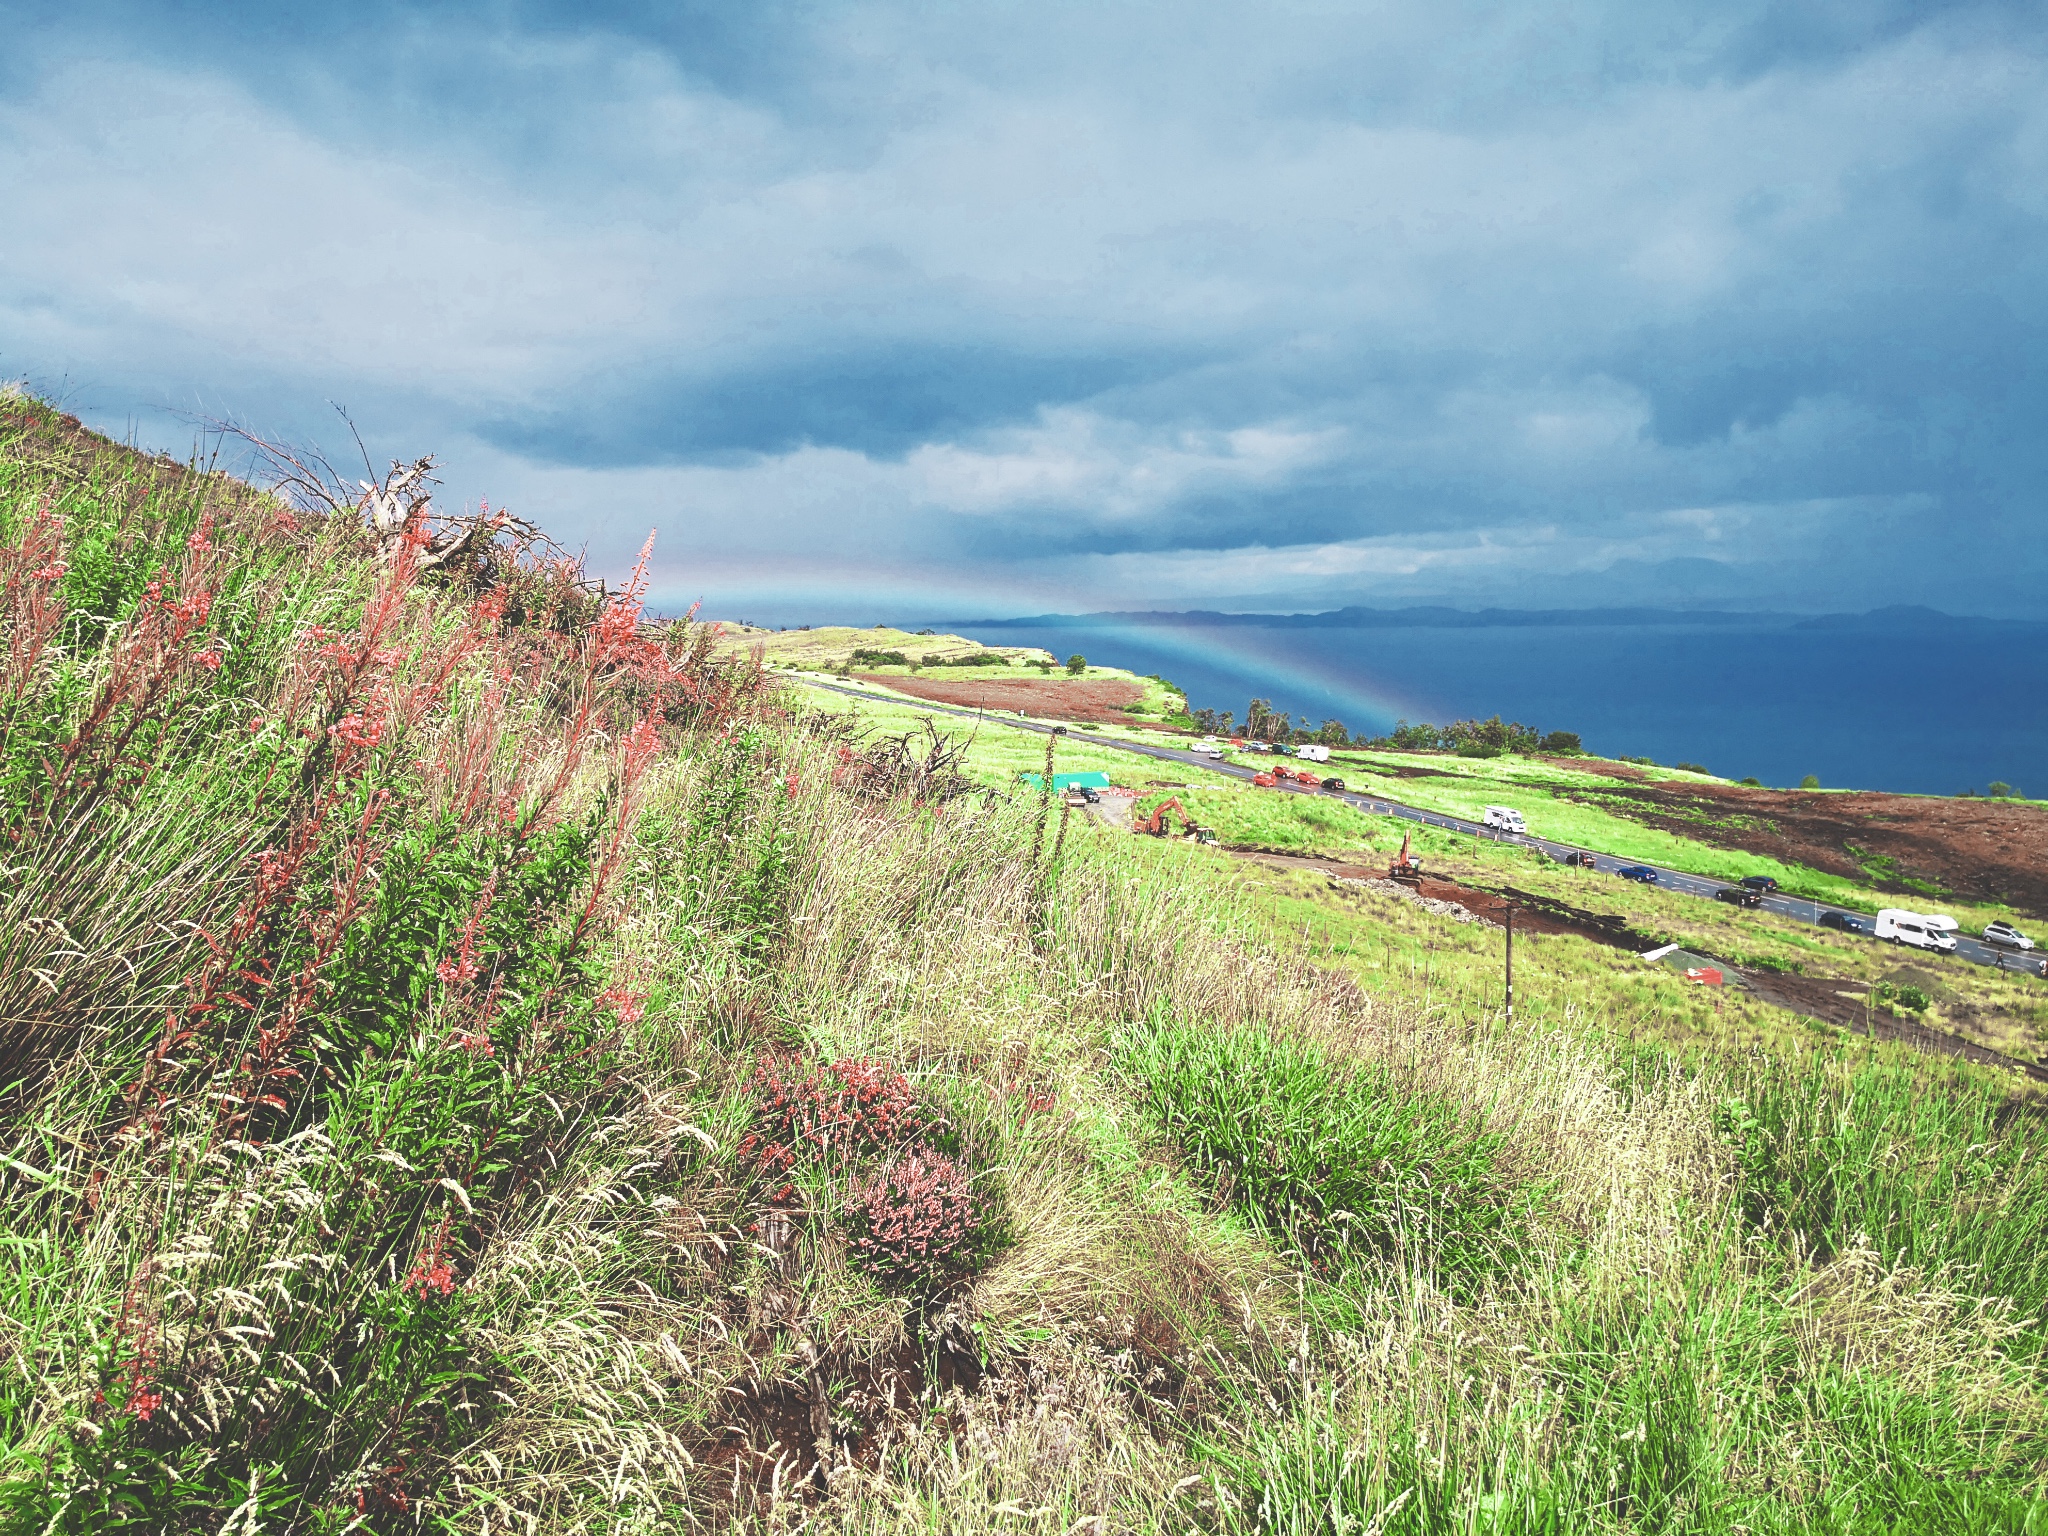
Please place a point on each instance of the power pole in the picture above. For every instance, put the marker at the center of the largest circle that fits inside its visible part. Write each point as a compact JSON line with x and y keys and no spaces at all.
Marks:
{"x":1511,"y":964}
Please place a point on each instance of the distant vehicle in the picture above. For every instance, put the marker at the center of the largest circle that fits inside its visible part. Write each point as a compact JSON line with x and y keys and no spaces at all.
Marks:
{"x":1642,"y":874}
{"x":1258,"y":746}
{"x":1763,"y":885}
{"x":1504,"y":818}
{"x":1089,"y":795}
{"x":1313,"y":751}
{"x":1740,"y":896}
{"x":1912,"y":929}
{"x":1265,"y":780}
{"x":1579,"y":860}
{"x":1338,"y":785}
{"x":1941,"y":922}
{"x":2006,"y":936}
{"x":1847,"y":922}
{"x":1208,"y":746}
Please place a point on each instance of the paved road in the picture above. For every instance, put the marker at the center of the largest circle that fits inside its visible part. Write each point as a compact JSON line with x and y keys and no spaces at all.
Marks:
{"x":1799,"y":907}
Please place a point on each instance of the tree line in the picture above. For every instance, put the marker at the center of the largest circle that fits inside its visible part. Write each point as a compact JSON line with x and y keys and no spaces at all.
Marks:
{"x":1476,"y":738}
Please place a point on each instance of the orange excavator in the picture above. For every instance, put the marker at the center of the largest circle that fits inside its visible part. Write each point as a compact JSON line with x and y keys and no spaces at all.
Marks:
{"x":1404,"y":867}
{"x":1158,"y":823}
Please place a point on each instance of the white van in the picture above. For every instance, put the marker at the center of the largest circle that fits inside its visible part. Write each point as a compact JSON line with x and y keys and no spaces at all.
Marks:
{"x":1504,"y":818}
{"x":1912,"y":928}
{"x":1208,"y":746}
{"x":1314,"y":751}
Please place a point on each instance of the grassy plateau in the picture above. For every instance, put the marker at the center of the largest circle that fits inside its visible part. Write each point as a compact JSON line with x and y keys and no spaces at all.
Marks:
{"x":478,"y":1061}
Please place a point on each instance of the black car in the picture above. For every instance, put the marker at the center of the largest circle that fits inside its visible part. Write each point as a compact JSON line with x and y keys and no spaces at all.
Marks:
{"x":1580,"y":860}
{"x":1763,"y":885}
{"x":1848,"y":922}
{"x":1642,"y":874}
{"x":1739,"y":896}
{"x":1336,"y":784}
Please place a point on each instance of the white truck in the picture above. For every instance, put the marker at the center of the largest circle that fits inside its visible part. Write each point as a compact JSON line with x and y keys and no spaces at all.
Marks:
{"x":1504,"y":818}
{"x":1915,"y":929}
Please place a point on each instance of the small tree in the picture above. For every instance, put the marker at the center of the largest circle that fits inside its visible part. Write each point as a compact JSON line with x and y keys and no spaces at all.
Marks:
{"x":1333,"y":734}
{"x":1077,"y":664}
{"x":1809,"y":782}
{"x":1561,"y":743}
{"x":1998,"y":789}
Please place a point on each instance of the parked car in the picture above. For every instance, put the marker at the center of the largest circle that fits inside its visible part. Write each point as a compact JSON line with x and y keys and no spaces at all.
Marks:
{"x":1847,"y":922}
{"x":1740,"y":895}
{"x":1089,"y":795}
{"x":1642,"y":874}
{"x":1763,"y":885}
{"x":1336,"y":784}
{"x":2006,"y":936}
{"x":1912,"y":929}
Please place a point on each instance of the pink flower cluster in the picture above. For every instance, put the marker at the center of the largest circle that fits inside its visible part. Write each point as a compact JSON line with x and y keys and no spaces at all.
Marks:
{"x":916,"y":1217}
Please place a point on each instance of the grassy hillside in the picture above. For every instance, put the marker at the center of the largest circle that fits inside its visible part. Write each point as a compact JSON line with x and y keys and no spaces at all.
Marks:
{"x":477,"y":1062}
{"x":830,"y":646}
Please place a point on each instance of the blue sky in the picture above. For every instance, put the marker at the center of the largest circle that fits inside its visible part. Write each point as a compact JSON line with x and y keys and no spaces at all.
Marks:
{"x":901,"y":311}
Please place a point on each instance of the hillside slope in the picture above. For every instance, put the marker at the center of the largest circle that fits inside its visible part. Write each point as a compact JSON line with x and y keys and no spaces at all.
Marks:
{"x":479,"y":1062}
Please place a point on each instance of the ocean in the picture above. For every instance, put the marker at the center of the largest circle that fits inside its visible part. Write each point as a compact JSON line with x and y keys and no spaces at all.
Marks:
{"x":1931,"y":711}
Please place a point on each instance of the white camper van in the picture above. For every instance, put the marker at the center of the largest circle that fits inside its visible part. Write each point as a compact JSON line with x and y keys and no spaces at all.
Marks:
{"x":1914,"y":929}
{"x":1314,"y":751}
{"x":1504,"y":818}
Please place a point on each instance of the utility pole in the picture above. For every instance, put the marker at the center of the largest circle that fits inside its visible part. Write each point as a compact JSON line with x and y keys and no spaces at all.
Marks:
{"x":1511,"y":964}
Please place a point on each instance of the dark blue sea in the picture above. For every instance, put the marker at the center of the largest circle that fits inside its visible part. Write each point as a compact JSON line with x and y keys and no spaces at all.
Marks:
{"x":1929,"y":711}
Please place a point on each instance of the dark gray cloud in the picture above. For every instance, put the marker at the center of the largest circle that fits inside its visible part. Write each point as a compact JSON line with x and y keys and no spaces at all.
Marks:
{"x":1289,"y":304}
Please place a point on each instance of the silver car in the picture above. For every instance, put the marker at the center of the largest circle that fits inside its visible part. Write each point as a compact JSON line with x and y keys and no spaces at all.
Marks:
{"x":2005,"y":936}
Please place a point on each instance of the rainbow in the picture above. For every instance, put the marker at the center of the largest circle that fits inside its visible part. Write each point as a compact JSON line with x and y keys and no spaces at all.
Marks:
{"x":866,"y":593}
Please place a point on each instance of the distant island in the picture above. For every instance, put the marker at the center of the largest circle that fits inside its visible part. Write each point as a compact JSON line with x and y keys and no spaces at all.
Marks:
{"x":1877,"y":620}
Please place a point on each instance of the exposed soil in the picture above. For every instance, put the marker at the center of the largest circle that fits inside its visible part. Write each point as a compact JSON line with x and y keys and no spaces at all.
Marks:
{"x":1048,"y":698}
{"x":1909,"y":845}
{"x":1980,"y":850}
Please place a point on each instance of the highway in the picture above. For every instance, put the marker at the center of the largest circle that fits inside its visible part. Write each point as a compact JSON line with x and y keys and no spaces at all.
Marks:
{"x":1797,"y":907}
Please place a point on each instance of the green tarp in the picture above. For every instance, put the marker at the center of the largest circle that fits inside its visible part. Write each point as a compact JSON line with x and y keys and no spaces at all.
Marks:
{"x":1067,"y":780}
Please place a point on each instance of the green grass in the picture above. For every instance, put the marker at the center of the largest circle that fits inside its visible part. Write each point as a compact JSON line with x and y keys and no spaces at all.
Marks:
{"x":432,"y":1208}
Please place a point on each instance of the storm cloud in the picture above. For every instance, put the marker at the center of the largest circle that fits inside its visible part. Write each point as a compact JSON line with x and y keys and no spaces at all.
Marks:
{"x":884,"y":310}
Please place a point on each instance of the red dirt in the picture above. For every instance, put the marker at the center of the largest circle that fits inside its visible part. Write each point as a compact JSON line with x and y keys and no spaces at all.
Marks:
{"x":1979,"y":850}
{"x":1047,"y":698}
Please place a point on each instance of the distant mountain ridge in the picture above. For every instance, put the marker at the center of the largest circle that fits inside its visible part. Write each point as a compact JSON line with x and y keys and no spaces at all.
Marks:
{"x":1877,"y":620}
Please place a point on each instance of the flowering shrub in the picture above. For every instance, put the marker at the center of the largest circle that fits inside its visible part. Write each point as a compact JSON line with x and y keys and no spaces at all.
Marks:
{"x":852,"y":1106}
{"x":915,"y":1219}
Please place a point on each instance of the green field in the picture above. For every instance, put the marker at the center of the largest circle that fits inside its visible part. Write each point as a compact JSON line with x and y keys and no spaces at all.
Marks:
{"x":476,"y":1062}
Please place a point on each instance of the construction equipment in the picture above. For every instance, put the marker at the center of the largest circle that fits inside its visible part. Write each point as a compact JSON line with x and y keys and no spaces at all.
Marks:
{"x":1159,"y":822}
{"x":1404,"y":867}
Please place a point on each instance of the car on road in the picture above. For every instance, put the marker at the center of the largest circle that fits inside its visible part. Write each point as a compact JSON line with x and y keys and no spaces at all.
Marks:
{"x":1579,"y":860}
{"x":2005,"y":936}
{"x":1763,"y":885}
{"x":1334,"y":783}
{"x":1503,"y":818}
{"x":1642,"y":874}
{"x":1739,"y":895}
{"x":1847,"y":922}
{"x":1913,"y":929}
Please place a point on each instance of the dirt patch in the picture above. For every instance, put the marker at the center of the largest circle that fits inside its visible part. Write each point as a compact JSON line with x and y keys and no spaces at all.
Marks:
{"x":1914,"y":845}
{"x":1048,"y":698}
{"x":1847,"y":1004}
